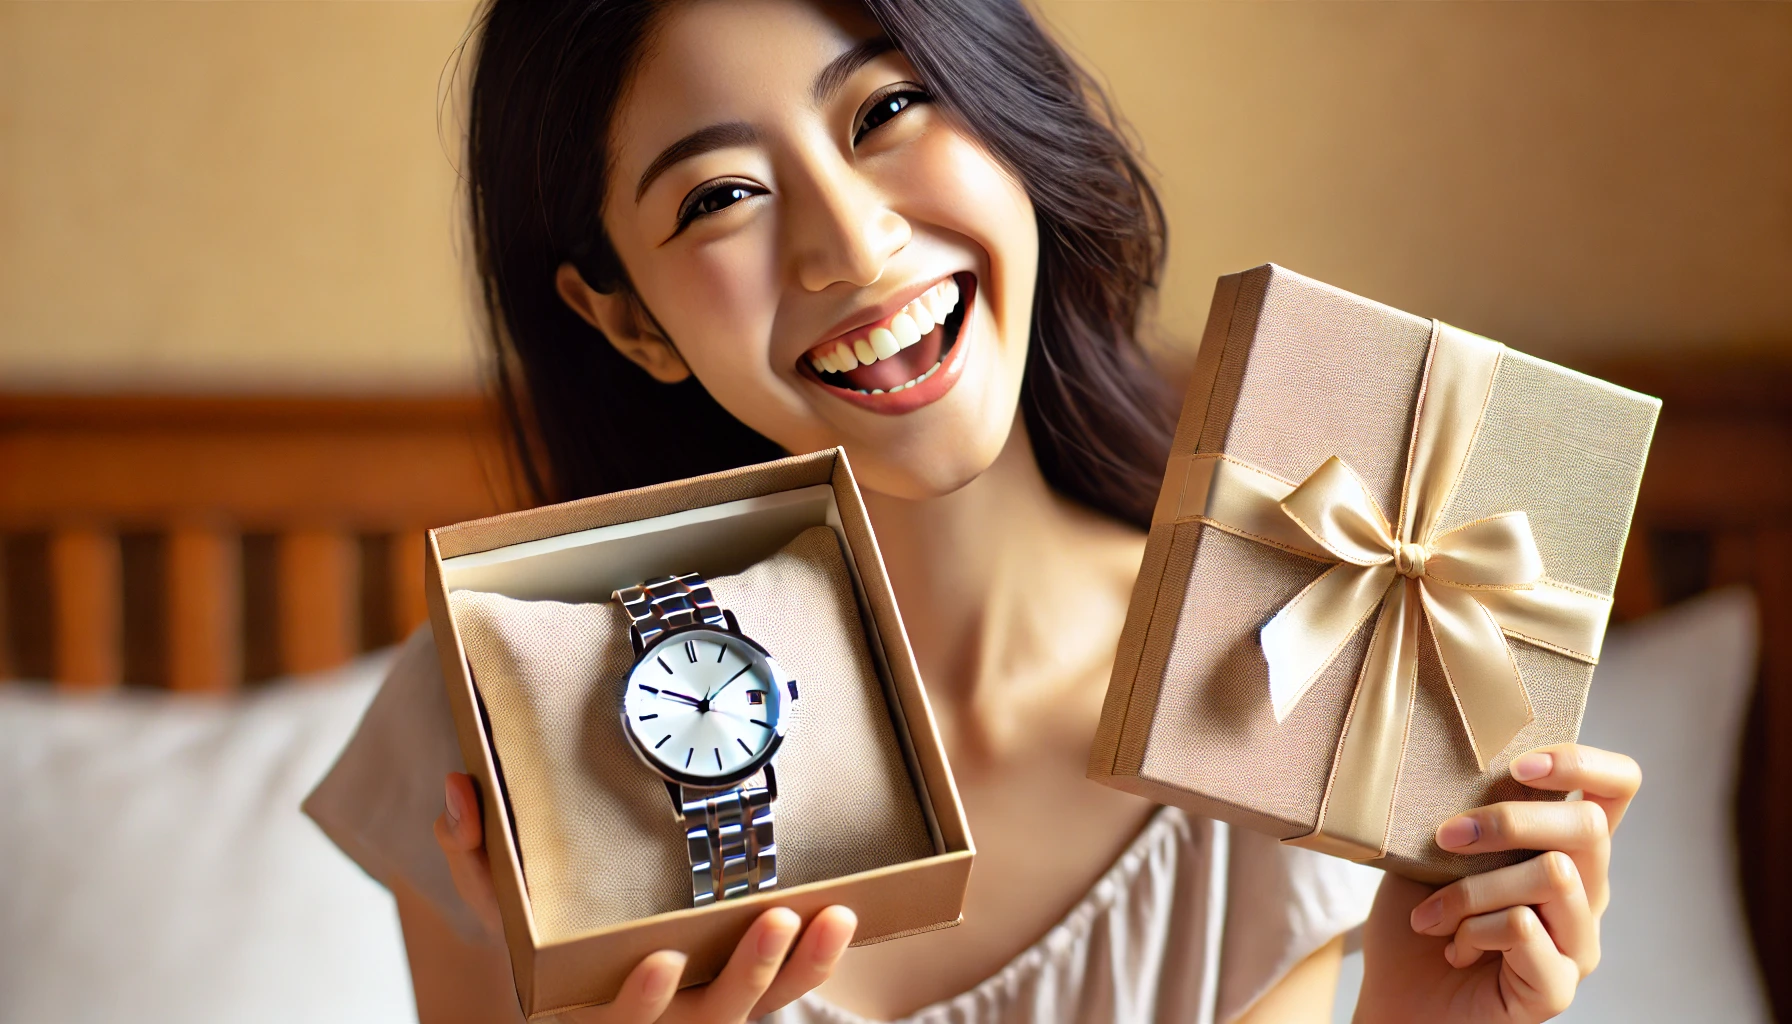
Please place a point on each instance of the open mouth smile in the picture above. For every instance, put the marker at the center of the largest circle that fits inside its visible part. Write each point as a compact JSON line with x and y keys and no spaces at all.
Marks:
{"x":902,"y":362}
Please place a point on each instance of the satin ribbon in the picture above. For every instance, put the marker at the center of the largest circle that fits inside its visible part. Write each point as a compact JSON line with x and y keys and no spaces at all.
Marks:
{"x":1475,"y":585}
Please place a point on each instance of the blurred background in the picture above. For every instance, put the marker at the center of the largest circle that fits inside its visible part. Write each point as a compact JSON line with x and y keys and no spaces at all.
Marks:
{"x":239,"y":374}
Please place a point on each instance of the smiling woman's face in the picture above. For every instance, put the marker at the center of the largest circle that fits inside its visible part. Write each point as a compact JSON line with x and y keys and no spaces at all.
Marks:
{"x":830,"y":254}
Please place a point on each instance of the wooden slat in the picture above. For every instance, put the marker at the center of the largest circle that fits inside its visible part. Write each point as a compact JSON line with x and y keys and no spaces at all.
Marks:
{"x":317,"y":583}
{"x":87,"y":607}
{"x":1635,"y":594}
{"x":265,"y":463}
{"x":205,"y":601}
{"x":8,"y":667}
{"x":409,"y":606}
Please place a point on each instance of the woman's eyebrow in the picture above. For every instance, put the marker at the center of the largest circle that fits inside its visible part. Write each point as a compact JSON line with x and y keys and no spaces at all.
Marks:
{"x":716,"y":136}
{"x":740,"y":133}
{"x":841,"y":68}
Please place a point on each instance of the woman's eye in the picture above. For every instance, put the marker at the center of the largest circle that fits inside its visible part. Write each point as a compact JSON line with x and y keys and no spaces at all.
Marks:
{"x":715,"y":199}
{"x":888,"y":106}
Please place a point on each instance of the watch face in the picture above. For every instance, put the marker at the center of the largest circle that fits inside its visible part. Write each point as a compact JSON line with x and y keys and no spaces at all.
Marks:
{"x":704,"y":706}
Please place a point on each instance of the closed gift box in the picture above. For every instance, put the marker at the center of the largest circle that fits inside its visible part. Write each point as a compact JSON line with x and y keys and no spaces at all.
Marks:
{"x":588,"y":858}
{"x":1380,"y":568}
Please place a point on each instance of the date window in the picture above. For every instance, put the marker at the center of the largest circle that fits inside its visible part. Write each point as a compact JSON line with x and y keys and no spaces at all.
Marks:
{"x":755,"y":696}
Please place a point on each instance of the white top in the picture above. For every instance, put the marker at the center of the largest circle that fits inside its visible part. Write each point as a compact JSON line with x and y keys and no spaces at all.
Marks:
{"x":1193,"y":923}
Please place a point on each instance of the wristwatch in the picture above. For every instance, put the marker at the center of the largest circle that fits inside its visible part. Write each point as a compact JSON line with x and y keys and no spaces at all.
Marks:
{"x":703,"y":707}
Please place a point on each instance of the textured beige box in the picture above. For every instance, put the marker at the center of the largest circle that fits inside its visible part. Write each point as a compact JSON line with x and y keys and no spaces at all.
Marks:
{"x":1304,"y":409}
{"x":717,"y":525}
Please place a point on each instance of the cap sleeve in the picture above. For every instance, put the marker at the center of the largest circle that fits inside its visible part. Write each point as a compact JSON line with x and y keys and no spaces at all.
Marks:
{"x":1282,"y":904}
{"x":381,"y":799}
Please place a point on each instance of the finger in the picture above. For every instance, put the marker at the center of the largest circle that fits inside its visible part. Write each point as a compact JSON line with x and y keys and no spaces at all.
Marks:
{"x":751,"y":969}
{"x":1607,"y":779}
{"x":462,"y":838}
{"x":822,"y":944}
{"x":1549,"y":884}
{"x":1576,"y":827}
{"x":1534,"y":974}
{"x":644,"y":995}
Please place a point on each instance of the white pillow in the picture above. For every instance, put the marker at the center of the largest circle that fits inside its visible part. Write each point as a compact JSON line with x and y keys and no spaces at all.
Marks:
{"x":154,"y":865}
{"x":1671,"y":691}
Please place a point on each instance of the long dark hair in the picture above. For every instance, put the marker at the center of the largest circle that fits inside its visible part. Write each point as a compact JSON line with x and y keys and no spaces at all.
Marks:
{"x":546,"y":78}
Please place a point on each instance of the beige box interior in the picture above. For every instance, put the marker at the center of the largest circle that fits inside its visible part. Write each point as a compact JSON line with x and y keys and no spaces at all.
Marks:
{"x":716,"y":525}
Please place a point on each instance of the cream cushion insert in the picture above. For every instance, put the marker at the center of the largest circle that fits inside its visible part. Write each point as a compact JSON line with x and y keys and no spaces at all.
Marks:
{"x":598,"y":840}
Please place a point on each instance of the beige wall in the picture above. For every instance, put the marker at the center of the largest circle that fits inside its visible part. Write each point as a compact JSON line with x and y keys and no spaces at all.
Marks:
{"x":255,"y":195}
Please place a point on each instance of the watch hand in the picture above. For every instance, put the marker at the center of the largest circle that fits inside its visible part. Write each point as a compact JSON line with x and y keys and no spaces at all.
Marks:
{"x":692,"y":701}
{"x":724,"y":686}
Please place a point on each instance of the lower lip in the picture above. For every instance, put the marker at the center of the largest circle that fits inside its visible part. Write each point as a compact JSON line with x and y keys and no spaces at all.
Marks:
{"x":929,"y":391}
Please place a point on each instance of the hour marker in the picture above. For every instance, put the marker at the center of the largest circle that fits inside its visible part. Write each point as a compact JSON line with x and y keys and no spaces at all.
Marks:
{"x":718,"y":751}
{"x":650,"y":689}
{"x":665,"y":666}
{"x":721,"y":650}
{"x":688,"y":751}
{"x":762,"y":725}
{"x":645,"y":718}
{"x":690,"y":650}
{"x":743,"y":746}
{"x":662,"y":741}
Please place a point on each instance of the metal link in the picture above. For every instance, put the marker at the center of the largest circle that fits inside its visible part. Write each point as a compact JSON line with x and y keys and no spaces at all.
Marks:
{"x":729,"y":838}
{"x":668,"y":602}
{"x":728,"y":835}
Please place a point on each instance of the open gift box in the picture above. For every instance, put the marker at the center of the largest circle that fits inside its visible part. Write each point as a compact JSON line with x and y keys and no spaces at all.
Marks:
{"x":585,"y":846}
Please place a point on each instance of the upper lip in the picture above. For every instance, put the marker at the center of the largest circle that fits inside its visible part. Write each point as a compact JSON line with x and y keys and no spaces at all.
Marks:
{"x":865,"y":316}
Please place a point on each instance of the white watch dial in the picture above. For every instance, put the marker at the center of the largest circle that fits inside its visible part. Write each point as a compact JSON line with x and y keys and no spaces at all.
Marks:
{"x":703,"y":704}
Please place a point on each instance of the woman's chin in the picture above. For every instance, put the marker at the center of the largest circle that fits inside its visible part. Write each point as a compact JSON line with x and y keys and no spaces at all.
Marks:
{"x":933,"y":465}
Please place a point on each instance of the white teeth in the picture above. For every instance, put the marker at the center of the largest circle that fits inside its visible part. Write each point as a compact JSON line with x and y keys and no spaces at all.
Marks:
{"x":875,"y":391}
{"x":923,"y":317}
{"x":845,"y":358}
{"x":883,"y":343}
{"x":905,"y":329}
{"x":914,"y":322}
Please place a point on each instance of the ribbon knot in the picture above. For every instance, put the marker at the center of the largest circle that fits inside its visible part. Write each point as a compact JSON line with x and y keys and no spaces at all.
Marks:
{"x":1409,"y":560}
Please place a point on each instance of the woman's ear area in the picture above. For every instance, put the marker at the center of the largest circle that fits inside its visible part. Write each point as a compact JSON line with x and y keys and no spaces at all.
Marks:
{"x":624,"y":323}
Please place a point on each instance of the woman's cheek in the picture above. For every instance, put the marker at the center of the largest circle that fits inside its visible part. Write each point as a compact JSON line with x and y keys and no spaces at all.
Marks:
{"x":964,"y":189}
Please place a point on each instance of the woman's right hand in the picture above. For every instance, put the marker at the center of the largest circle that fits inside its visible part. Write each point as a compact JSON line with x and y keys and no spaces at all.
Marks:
{"x":757,"y":980}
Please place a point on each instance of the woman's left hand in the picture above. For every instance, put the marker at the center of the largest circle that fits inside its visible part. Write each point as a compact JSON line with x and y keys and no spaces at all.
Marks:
{"x":1513,"y":944}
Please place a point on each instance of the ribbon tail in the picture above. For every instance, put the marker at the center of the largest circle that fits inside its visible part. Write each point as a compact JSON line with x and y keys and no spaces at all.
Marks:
{"x":1308,"y":632}
{"x":1561,"y":618}
{"x":1359,"y":796}
{"x":1483,"y":678}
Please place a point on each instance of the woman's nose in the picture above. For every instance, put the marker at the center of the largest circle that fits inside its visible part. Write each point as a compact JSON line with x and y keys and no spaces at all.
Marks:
{"x":847,"y":233}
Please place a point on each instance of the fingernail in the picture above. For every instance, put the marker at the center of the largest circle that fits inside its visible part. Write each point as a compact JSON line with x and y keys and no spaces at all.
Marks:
{"x":1427,"y":915}
{"x":1533,"y":765}
{"x":452,"y":807}
{"x":1450,"y":953}
{"x":775,"y":939}
{"x":1458,"y":832}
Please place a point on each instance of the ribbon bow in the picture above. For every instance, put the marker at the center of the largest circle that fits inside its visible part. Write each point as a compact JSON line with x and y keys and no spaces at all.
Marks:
{"x":1475,"y":585}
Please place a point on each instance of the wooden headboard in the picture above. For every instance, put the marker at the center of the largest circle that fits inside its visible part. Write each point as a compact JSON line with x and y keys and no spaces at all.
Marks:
{"x":194,"y":543}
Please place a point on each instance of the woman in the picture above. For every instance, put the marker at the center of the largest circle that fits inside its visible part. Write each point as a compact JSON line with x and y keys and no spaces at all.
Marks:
{"x":692,"y":217}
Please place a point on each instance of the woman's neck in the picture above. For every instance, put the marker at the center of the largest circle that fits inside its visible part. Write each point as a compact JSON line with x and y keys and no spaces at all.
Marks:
{"x":1013,"y":595}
